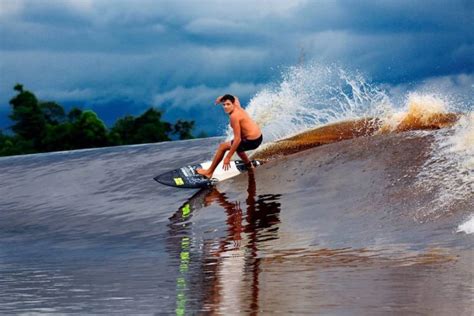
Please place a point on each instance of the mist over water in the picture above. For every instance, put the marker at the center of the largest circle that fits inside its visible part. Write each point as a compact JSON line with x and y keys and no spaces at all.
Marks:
{"x":364,"y":207}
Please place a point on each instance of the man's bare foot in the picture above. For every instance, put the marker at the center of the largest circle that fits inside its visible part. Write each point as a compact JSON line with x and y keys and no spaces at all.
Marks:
{"x":204,"y":172}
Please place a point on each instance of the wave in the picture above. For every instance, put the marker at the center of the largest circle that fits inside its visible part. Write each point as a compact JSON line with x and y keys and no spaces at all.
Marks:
{"x":316,"y":105}
{"x":336,"y":132}
{"x":313,"y":95}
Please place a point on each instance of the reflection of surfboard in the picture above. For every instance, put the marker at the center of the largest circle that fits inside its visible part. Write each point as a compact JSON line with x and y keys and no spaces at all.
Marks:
{"x":187,"y":177}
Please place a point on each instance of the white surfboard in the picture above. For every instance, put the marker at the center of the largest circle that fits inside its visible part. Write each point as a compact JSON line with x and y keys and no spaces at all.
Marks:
{"x":187,"y":177}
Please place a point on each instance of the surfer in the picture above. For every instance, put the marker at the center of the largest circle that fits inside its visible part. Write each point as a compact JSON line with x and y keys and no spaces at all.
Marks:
{"x":247,"y":136}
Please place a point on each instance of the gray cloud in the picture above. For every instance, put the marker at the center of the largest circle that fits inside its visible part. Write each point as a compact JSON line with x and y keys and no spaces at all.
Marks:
{"x":159,"y":51}
{"x":183,"y":97}
{"x":197,"y":103}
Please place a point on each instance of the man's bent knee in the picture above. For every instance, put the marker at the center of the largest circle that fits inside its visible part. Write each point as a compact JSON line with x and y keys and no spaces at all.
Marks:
{"x":224,"y":146}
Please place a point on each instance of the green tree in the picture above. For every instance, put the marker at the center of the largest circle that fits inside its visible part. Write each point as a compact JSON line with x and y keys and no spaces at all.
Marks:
{"x":4,"y":143}
{"x":88,"y":131}
{"x":30,"y":123}
{"x":183,"y":129}
{"x":74,"y":114}
{"x":122,"y":131}
{"x":53,"y":113}
{"x":58,"y":137}
{"x":14,"y":145}
{"x":147,"y":128}
{"x":44,"y":126}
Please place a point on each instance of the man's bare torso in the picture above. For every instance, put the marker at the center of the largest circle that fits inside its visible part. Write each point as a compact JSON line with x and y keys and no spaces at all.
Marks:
{"x":248,"y":128}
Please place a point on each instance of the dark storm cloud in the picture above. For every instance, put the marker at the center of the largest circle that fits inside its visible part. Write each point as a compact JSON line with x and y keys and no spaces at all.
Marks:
{"x":388,"y":16}
{"x":182,"y":53}
{"x":395,"y":41}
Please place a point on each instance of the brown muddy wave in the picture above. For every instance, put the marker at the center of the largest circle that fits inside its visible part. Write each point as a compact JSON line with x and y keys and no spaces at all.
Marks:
{"x":336,"y":132}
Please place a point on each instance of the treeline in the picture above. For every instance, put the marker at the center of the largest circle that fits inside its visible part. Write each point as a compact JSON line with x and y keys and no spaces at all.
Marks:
{"x":45,"y":126}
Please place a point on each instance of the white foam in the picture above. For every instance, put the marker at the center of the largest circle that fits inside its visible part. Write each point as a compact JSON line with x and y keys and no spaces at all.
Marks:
{"x":422,"y":106}
{"x":467,"y":227}
{"x":313,"y":95}
{"x":462,"y":142}
{"x":450,"y":168}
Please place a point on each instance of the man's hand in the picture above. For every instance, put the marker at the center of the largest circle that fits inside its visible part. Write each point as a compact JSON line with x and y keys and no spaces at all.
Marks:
{"x":218,"y":100}
{"x":237,"y":102}
{"x":226,"y":165}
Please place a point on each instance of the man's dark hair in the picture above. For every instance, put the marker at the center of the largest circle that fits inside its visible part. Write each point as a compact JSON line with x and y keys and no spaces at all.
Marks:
{"x":228,"y":97}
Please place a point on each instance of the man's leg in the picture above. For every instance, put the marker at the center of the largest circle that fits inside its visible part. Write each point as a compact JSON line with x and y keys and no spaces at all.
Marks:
{"x":244,"y":157}
{"x":217,"y":159}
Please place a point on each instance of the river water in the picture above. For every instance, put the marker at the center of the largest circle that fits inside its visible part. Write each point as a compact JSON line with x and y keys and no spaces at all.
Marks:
{"x":365,"y":206}
{"x":342,"y":229}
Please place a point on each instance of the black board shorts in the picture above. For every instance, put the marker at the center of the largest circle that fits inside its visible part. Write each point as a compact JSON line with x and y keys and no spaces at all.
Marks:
{"x":247,"y":144}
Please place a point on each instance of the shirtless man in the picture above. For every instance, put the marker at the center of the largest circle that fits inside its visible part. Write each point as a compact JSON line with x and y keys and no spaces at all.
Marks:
{"x":247,"y":136}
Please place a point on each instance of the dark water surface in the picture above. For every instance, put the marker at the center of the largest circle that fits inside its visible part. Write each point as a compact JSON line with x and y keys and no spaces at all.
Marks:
{"x":338,"y":230}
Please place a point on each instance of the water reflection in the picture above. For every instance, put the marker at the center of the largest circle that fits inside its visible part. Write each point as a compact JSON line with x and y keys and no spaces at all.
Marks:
{"x":225,"y":270}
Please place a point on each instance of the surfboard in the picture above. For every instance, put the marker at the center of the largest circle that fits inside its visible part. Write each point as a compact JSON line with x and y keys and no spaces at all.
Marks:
{"x":187,"y":177}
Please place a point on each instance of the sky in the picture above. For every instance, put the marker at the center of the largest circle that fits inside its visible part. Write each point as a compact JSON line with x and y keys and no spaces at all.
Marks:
{"x":120,"y":57}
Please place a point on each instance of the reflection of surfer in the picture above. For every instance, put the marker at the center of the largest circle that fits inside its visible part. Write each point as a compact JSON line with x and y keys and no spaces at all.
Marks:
{"x":238,"y":266}
{"x":247,"y":135}
{"x":231,"y":266}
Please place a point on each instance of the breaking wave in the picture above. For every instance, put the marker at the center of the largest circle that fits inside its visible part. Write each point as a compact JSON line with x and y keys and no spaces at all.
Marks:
{"x":316,"y":104}
{"x":314,"y":95}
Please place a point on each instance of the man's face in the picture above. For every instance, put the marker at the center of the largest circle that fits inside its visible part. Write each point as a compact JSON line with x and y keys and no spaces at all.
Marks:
{"x":228,"y":106}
